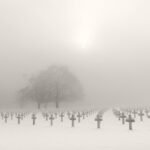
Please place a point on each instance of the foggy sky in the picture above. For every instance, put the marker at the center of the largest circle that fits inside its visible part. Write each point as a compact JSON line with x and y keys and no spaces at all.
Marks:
{"x":104,"y":42}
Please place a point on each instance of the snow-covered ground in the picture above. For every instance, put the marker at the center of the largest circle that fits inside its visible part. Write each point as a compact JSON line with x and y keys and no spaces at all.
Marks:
{"x":85,"y":136}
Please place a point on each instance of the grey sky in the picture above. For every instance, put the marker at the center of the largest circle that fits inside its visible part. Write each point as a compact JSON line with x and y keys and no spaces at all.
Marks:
{"x":104,"y":42}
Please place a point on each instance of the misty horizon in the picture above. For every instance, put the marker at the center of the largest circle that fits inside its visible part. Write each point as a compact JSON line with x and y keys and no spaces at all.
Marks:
{"x":104,"y":43}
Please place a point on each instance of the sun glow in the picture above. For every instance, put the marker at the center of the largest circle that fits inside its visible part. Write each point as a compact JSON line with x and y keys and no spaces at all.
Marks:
{"x":83,"y":39}
{"x":84,"y":32}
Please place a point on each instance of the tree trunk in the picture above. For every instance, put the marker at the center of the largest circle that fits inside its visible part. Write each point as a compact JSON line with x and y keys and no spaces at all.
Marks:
{"x":57,"y":104}
{"x":39,"y":105}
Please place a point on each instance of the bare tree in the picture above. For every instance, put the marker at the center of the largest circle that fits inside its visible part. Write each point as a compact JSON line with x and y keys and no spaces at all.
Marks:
{"x":56,"y":84}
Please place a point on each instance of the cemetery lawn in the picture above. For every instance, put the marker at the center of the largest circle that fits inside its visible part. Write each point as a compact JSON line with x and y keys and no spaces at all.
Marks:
{"x":84,"y":136}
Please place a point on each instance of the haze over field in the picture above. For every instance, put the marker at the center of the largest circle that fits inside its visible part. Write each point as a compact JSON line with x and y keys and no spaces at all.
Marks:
{"x":105,"y":43}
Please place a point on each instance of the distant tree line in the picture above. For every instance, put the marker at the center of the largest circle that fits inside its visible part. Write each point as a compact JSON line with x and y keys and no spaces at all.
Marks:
{"x":55,"y":84}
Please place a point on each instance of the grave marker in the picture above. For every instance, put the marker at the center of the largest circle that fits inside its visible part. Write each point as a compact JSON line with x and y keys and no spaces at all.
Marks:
{"x":130,"y":121}
{"x":79,"y":117}
{"x":122,"y":116}
{"x":141,"y":114}
{"x":51,"y":119}
{"x":34,"y":118}
{"x":73,"y":120}
{"x":98,"y":119}
{"x":18,"y":118}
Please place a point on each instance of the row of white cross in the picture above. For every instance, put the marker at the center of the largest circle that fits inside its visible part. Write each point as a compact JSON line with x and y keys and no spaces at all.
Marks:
{"x":122,"y":114}
{"x":72,"y":116}
{"x":128,"y":115}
